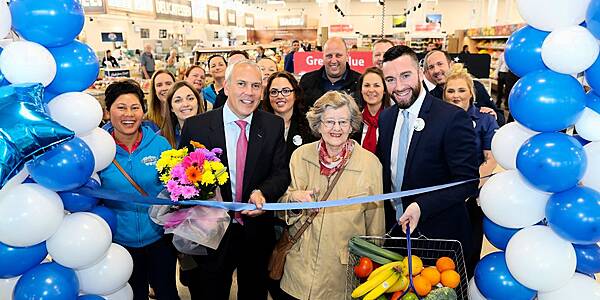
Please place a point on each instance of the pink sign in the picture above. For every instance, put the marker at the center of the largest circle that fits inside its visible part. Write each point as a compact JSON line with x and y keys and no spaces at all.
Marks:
{"x":309,"y":61}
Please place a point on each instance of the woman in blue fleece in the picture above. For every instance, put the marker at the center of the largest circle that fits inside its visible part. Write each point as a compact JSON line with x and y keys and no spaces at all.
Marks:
{"x":139,"y":148}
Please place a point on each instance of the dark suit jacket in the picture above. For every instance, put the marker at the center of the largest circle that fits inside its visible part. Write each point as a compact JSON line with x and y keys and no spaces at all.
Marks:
{"x":311,"y":84}
{"x":221,"y":99}
{"x":482,"y":99}
{"x":266,"y":166}
{"x":298,"y":127}
{"x":443,"y":152}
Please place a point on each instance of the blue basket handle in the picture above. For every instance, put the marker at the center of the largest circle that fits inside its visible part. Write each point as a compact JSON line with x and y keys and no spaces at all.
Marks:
{"x":411,"y":285}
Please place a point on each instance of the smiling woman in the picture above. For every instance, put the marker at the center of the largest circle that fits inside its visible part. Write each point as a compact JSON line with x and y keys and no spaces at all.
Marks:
{"x":161,"y":82}
{"x":138,"y":150}
{"x":183,"y":101}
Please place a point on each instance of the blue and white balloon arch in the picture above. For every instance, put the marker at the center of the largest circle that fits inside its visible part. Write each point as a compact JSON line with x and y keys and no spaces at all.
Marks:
{"x":42,"y":76}
{"x":543,"y":212}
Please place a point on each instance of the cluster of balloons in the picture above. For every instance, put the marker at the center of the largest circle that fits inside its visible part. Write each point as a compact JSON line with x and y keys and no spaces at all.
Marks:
{"x":54,"y":243}
{"x":543,"y":212}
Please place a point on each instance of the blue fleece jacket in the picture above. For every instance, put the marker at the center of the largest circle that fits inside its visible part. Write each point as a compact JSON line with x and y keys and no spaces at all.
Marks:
{"x":134,"y":226}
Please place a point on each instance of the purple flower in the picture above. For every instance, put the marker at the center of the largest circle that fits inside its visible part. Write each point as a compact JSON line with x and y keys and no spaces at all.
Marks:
{"x":217,"y":151}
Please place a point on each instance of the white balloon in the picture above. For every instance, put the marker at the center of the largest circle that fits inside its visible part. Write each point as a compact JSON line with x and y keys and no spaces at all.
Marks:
{"x":578,"y":287}
{"x":7,"y":285}
{"x":81,"y":240}
{"x":109,"y":274}
{"x":29,"y":215}
{"x":507,"y":141}
{"x":539,"y":259}
{"x":559,"y":54}
{"x":96,"y":177}
{"x":77,"y":111}
{"x":5,"y":19}
{"x":507,"y":193}
{"x":591,"y":177}
{"x":16,"y":180}
{"x":103,"y":147}
{"x":548,"y":15}
{"x":588,"y":125}
{"x":125,"y":293}
{"x":24,"y":62}
{"x":474,"y":293}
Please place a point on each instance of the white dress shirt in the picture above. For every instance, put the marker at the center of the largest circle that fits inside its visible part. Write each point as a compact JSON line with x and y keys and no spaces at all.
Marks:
{"x":413,"y":114}
{"x":232,"y":132}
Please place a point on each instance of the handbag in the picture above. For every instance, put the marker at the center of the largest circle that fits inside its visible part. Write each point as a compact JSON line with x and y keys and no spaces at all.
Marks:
{"x":285,"y":243}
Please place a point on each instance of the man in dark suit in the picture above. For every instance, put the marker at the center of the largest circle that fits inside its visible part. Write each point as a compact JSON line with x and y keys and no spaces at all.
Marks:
{"x":437,"y":63}
{"x":255,"y":153}
{"x":424,"y":142}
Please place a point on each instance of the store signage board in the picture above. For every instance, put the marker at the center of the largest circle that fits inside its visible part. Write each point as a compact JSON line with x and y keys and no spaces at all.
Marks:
{"x":341,"y":28}
{"x":249,"y":20}
{"x":180,"y":10}
{"x":93,"y":6}
{"x":213,"y":14}
{"x":309,"y":61}
{"x":267,"y":36}
{"x":141,"y":7}
{"x":291,"y":21}
{"x":230,"y":17}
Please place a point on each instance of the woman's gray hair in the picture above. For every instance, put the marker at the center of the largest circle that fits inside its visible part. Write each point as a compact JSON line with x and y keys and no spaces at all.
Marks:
{"x":333,"y":100}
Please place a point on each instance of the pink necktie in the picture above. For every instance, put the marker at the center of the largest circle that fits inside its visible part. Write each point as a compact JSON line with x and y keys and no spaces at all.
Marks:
{"x":240,"y":163}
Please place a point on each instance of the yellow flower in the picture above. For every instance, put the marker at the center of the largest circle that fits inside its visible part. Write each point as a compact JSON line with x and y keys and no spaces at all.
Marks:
{"x":208,"y":178}
{"x":165,"y":178}
{"x":222,"y":178}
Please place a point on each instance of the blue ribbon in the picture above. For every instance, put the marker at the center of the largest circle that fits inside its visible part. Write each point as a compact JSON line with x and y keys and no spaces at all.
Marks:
{"x":111,"y":195}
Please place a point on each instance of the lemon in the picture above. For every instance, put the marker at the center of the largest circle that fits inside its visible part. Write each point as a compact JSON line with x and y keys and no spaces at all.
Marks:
{"x":417,"y":265}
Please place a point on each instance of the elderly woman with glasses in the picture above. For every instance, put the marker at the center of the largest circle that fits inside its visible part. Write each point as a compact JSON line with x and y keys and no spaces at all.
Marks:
{"x":314,"y":263}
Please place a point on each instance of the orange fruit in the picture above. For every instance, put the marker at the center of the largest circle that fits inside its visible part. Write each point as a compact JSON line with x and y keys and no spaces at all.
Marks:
{"x":450,"y":279}
{"x":431,"y":274}
{"x":445,"y":263}
{"x":422,"y":285}
{"x":417,"y":265}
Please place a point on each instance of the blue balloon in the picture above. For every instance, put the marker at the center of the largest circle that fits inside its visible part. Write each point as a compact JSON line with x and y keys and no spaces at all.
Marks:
{"x":90,"y":297}
{"x":547,"y":101}
{"x":592,"y":75}
{"x":73,"y":160}
{"x":495,"y":281}
{"x":48,"y":96}
{"x":575,"y":215}
{"x":108,"y":215}
{"x":581,"y":140}
{"x":48,"y":281}
{"x":588,"y":258}
{"x":25,"y":130}
{"x":50,"y":23}
{"x":523,"y":52}
{"x":593,"y":101}
{"x":592,"y":18}
{"x":18,"y":260}
{"x":75,"y":202}
{"x":552,"y":161}
{"x":496,"y":234}
{"x":76,"y":68}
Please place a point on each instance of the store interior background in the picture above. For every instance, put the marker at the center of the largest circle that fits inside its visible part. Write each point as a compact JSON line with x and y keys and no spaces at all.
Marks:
{"x":362,"y":16}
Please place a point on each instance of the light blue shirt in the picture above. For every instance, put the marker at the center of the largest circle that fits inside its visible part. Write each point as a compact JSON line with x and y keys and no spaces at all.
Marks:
{"x":232,"y":132}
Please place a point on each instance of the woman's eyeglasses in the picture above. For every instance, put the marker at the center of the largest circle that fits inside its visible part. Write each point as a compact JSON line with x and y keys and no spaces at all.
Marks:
{"x":284,"y":92}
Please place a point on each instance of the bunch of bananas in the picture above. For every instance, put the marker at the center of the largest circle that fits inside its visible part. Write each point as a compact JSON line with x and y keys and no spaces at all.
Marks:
{"x":389,"y":278}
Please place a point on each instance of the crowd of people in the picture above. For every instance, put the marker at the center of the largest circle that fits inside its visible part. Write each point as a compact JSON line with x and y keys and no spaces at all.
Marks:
{"x":333,"y":134}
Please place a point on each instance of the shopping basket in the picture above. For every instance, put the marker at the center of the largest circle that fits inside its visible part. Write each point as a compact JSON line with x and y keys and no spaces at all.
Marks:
{"x":429,"y":250}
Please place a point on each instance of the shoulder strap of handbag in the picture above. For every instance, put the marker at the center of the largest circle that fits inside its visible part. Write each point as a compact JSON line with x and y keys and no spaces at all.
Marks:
{"x":135,"y":185}
{"x":312,"y":216}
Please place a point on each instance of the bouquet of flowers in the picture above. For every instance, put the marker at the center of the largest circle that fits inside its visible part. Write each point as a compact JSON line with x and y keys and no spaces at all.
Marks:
{"x":192,"y":176}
